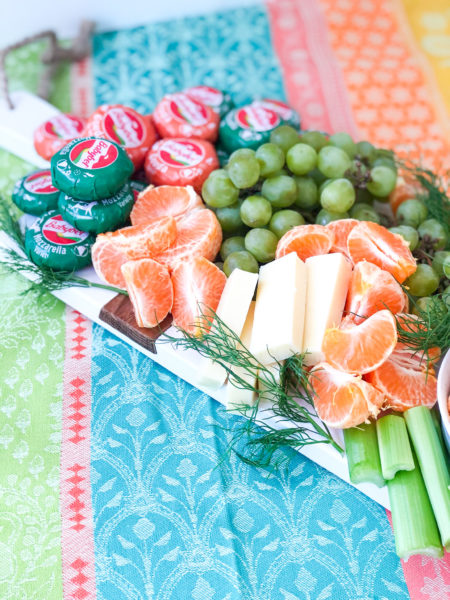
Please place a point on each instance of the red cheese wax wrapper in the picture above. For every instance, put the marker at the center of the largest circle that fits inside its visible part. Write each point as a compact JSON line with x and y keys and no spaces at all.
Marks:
{"x":55,"y":133}
{"x":181,"y":115}
{"x":219,"y":101}
{"x":181,"y":161}
{"x":125,"y":126}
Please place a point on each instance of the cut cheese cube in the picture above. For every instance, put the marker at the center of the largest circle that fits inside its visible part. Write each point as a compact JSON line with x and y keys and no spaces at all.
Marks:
{"x":236,"y":396}
{"x":232,"y":310}
{"x":328,"y":281}
{"x":280,"y":310}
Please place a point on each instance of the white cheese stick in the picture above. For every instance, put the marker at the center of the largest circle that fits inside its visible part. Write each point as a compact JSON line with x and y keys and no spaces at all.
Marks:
{"x":328,"y":281}
{"x":232,"y":310}
{"x":280,"y":310}
{"x":236,"y":396}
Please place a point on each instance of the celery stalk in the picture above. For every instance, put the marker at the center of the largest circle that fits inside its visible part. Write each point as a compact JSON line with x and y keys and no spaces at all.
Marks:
{"x":415,"y":528}
{"x":393,"y":442}
{"x":433,"y":465}
{"x":361,"y":448}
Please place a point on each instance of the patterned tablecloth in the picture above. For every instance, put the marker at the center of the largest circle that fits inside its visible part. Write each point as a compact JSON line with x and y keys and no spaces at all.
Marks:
{"x":111,"y":485}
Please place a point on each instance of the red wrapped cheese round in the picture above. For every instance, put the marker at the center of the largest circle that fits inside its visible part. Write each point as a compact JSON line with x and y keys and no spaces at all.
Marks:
{"x":123,"y":125}
{"x":181,"y":161}
{"x":55,"y":133}
{"x":181,"y":115}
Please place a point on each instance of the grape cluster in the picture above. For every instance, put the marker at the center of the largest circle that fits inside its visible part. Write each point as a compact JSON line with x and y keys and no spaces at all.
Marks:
{"x":295,"y":178}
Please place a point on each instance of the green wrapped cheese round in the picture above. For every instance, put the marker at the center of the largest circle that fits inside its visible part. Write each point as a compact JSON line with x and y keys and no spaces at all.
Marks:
{"x":35,"y":194}
{"x":90,"y":168}
{"x":98,"y":216}
{"x":137,"y":186}
{"x":54,"y":243}
{"x":247,"y":127}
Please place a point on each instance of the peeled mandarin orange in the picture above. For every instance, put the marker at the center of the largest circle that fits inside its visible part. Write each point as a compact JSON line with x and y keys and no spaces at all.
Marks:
{"x":406,"y":188}
{"x":341,"y":228}
{"x":305,"y":241}
{"x":361,"y":348}
{"x":343,"y":400}
{"x":389,"y":251}
{"x":404,"y":384}
{"x":372,"y":289}
{"x":150,"y":289}
{"x":165,"y":200}
{"x":198,"y":234}
{"x":197,"y":287}
{"x":114,"y":248}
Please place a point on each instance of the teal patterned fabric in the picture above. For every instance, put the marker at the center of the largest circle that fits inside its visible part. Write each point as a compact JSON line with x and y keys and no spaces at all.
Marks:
{"x":231,"y":50}
{"x":174,"y":522}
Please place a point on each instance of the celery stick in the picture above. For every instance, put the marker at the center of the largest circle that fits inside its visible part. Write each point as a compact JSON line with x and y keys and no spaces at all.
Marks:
{"x":415,"y":528}
{"x":363,"y":459}
{"x":433,"y":465}
{"x":393,"y":443}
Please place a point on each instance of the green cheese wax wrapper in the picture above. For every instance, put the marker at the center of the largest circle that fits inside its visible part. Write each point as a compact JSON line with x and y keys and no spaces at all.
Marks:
{"x":54,"y":243}
{"x":90,"y":168}
{"x":35,"y":193}
{"x":247,"y":127}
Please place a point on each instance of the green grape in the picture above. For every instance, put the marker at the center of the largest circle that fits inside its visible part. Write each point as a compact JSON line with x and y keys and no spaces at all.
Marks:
{"x":262,"y":243}
{"x":383,"y":180}
{"x":242,"y":153}
{"x":423,"y":282}
{"x":232,"y":244}
{"x":307,"y":194}
{"x":446,"y":296}
{"x":315,"y":139}
{"x":285,"y":137}
{"x":325,"y":216}
{"x":411,"y":212}
{"x":323,"y":185}
{"x":384,"y":161}
{"x":281,"y":190}
{"x":409,"y":234}
{"x":301,"y":159}
{"x":364,"y":212}
{"x":229,"y":218}
{"x":365,"y":151}
{"x":433,"y":233}
{"x":363,"y":196}
{"x":243,"y":171}
{"x":218,"y":190}
{"x":446,"y":267}
{"x":333,"y":162}
{"x":338,"y":196}
{"x":428,"y":303}
{"x":283,"y":220}
{"x":256,"y":211}
{"x":440,"y":256}
{"x":280,"y":172}
{"x":318,"y":177}
{"x":344,"y":142}
{"x":270,"y":158}
{"x":240,"y":260}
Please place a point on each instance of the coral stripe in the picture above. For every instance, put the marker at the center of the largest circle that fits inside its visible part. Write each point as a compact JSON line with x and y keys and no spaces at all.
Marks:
{"x":75,"y":486}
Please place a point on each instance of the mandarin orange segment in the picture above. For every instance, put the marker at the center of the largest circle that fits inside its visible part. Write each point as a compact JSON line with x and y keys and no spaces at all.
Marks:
{"x":165,"y":200}
{"x":150,"y":289}
{"x":198,"y":234}
{"x":407,"y":187}
{"x":376,"y":244}
{"x":341,"y":228}
{"x":306,"y":241}
{"x":361,"y":348}
{"x":343,"y":400}
{"x":197,"y":287}
{"x":403,"y":384}
{"x":409,"y":323}
{"x":372,"y":289}
{"x":114,"y":248}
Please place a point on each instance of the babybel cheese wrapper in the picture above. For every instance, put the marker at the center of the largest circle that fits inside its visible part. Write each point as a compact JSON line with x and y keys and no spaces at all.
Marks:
{"x":180,"y":115}
{"x":90,"y":168}
{"x":181,"y":161}
{"x":98,"y":216}
{"x":124,"y":126}
{"x":54,"y":243}
{"x":35,"y":193}
{"x":218,"y":100}
{"x":55,"y":133}
{"x":287,"y":114}
{"x":247,"y":127}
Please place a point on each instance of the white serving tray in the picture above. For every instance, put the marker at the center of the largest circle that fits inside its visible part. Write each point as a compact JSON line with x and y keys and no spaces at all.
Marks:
{"x":17,"y":130}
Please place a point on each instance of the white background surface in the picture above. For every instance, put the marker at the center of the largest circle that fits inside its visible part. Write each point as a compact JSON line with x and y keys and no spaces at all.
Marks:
{"x":26,"y":17}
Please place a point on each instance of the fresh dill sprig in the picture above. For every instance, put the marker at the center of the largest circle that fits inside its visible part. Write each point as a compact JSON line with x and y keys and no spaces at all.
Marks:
{"x":43,"y":278}
{"x":282,"y":415}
